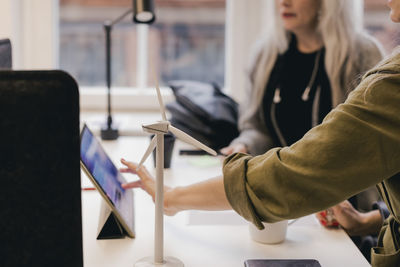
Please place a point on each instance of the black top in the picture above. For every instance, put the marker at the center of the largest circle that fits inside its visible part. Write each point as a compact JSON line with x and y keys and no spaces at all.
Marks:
{"x":291,"y":75}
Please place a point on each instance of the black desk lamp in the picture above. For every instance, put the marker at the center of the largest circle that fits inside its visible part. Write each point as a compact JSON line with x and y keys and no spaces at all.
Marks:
{"x":143,"y":12}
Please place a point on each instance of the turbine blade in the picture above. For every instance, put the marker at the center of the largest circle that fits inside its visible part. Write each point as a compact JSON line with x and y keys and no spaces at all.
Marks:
{"x":190,"y":140}
{"x":160,"y":101}
{"x":148,"y":151}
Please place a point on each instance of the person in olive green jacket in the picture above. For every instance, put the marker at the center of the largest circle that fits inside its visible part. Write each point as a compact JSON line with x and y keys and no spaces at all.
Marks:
{"x":356,"y":146}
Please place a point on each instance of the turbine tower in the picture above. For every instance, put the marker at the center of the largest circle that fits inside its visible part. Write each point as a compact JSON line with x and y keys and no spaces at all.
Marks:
{"x":159,"y":129}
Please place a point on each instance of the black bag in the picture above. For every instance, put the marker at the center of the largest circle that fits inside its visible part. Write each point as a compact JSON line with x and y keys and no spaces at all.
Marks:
{"x":204,"y":112}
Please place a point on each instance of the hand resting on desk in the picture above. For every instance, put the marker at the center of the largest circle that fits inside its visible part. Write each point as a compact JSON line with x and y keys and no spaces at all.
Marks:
{"x":354,"y":222}
{"x":234,"y":148}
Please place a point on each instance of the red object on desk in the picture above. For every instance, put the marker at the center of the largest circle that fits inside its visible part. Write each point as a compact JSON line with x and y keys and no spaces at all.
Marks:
{"x":330,"y":220}
{"x":88,"y":188}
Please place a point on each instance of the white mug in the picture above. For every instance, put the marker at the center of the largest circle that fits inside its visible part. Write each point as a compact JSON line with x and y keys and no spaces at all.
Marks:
{"x":273,"y":233}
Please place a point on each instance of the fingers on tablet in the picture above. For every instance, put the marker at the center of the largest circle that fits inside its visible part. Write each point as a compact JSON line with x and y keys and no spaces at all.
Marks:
{"x":134,"y":184}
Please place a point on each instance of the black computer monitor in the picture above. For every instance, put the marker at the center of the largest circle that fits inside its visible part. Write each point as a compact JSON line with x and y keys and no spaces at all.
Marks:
{"x":5,"y":54}
{"x":40,"y":187}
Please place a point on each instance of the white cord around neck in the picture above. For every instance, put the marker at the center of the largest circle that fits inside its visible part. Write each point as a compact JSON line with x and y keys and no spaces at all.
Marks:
{"x":306,"y":93}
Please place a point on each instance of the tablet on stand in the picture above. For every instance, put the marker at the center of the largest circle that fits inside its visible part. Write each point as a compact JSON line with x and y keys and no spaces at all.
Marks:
{"x":116,"y":218}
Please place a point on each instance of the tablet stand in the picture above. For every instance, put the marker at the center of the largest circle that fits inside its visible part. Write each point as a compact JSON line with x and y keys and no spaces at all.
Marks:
{"x":109,"y":227}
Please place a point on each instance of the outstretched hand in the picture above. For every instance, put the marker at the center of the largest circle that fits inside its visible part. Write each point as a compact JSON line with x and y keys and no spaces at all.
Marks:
{"x":147,"y":183}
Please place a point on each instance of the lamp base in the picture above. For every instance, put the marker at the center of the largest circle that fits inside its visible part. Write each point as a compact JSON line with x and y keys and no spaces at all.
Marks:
{"x":109,"y":133}
{"x":168,"y":262}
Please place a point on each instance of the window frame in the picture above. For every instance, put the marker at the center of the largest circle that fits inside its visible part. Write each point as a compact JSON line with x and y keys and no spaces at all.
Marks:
{"x":32,"y":26}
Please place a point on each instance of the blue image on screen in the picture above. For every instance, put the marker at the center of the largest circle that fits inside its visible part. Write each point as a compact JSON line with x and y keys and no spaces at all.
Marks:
{"x":101,"y":167}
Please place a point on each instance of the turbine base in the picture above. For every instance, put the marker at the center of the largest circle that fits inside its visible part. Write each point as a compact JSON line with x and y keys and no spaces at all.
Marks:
{"x":168,"y":262}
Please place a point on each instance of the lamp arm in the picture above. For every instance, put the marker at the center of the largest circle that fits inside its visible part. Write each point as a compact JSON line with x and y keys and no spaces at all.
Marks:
{"x":109,"y":133}
{"x":118,"y":19}
{"x":107,"y":28}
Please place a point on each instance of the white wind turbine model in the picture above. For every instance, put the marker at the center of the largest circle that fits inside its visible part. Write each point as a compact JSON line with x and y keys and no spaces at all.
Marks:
{"x":159,"y":129}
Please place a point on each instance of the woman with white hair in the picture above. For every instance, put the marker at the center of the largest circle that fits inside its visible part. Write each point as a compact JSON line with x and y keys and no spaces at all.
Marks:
{"x":315,"y":52}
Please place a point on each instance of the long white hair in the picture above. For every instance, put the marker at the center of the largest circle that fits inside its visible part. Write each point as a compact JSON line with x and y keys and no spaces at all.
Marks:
{"x":340,"y":24}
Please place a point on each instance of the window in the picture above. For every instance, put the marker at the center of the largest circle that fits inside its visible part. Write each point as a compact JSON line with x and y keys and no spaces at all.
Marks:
{"x":187,"y":41}
{"x":191,"y":39}
{"x":377,"y":23}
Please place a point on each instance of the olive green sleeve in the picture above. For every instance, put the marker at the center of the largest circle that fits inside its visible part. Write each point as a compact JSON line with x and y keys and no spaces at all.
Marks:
{"x":236,"y":189}
{"x":356,"y":146}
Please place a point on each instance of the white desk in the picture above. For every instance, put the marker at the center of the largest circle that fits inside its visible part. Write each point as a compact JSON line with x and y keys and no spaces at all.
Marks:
{"x":219,"y":239}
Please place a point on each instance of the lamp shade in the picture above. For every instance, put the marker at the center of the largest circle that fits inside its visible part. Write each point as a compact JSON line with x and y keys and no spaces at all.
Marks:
{"x":143,"y":11}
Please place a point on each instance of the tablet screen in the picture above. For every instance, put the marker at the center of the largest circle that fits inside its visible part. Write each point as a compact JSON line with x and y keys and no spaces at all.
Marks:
{"x":106,"y":175}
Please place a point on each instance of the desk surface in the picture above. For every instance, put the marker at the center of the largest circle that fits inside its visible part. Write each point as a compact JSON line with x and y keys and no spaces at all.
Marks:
{"x":201,"y":238}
